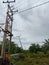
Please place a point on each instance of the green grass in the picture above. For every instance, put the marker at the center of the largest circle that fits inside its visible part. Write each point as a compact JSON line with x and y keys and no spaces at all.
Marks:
{"x":31,"y":59}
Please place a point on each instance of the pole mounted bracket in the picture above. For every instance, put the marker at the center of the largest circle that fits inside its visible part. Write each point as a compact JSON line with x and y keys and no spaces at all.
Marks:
{"x":9,"y":1}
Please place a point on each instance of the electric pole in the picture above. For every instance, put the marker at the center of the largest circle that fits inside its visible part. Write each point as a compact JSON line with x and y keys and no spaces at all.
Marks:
{"x":19,"y":38}
{"x":8,"y":28}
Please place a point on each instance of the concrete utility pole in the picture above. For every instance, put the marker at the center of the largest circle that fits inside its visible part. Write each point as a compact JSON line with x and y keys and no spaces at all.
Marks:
{"x":8,"y":28}
{"x":20,"y":41}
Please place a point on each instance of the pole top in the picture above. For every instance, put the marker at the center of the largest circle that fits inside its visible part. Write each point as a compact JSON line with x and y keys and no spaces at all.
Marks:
{"x":9,"y":1}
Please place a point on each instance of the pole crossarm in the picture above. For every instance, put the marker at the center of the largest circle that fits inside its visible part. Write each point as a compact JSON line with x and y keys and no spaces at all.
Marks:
{"x":9,"y":1}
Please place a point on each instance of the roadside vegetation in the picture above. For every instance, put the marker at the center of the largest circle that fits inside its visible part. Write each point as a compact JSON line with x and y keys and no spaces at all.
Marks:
{"x":35,"y":55}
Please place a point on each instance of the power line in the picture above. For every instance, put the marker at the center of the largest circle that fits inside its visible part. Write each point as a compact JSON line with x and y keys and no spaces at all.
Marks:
{"x":32,"y":7}
{"x":23,"y":4}
{"x":20,"y":3}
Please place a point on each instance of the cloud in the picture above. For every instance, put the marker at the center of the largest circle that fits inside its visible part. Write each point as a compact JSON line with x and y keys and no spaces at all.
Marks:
{"x":34,"y":23}
{"x":37,"y":23}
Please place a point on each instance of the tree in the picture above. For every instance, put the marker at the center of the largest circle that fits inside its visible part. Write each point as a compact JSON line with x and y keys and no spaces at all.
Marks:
{"x":14,"y":47}
{"x":38,"y":47}
{"x":45,"y":46}
{"x":34,"y":48}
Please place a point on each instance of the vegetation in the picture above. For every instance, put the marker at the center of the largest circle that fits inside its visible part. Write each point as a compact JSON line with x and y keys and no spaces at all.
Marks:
{"x":14,"y":47}
{"x":31,"y":59}
{"x":35,"y":55}
{"x":34,"y":48}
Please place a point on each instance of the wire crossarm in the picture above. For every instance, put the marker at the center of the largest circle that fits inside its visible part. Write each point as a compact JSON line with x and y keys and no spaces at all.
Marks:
{"x":9,"y":1}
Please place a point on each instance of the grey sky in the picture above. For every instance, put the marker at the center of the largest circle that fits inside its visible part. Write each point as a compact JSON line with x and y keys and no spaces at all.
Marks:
{"x":33,"y":25}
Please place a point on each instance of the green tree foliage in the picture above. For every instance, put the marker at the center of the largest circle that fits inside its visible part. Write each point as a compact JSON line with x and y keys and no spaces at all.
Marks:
{"x":14,"y":47}
{"x":34,"y":48}
{"x":45,"y":46}
{"x":19,"y":50}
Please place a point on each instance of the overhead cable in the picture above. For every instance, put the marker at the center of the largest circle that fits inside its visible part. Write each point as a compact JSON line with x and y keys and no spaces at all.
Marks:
{"x":20,"y":3}
{"x":33,"y":7}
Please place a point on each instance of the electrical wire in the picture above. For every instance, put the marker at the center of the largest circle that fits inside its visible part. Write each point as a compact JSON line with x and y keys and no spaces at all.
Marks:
{"x":18,"y":6}
{"x":33,"y":7}
{"x":20,"y":3}
{"x":23,"y":4}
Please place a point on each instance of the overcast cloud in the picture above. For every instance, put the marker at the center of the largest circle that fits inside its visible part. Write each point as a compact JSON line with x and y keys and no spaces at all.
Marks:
{"x":33,"y":25}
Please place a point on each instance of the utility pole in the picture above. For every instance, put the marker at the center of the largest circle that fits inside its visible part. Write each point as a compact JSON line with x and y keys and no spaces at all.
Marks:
{"x":20,"y":41}
{"x":8,"y":28}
